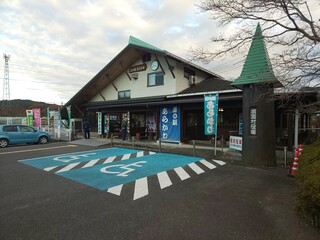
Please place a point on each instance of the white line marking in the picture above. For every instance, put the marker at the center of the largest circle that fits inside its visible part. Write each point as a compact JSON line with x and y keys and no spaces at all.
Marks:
{"x":208,"y":164}
{"x":141,"y":188}
{"x":91,"y":163}
{"x":109,"y":159}
{"x":126,"y":156}
{"x":182,"y":173}
{"x":68,"y":167}
{"x":164,"y":180}
{"x":151,"y":153}
{"x":195,"y":168}
{"x":219,"y":162}
{"x":116,"y":190}
{"x":48,"y":169}
{"x":140,"y":154}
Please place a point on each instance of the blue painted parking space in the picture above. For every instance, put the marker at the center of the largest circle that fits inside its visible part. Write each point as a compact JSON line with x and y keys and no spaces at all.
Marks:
{"x":116,"y":173}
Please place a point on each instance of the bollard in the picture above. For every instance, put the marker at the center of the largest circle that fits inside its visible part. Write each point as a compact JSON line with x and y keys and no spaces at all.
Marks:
{"x":133,"y":142}
{"x":285,"y":156}
{"x":222,"y":142}
{"x":159,"y":144}
{"x":111,"y":140}
{"x":194,"y":147}
{"x":215,"y":145}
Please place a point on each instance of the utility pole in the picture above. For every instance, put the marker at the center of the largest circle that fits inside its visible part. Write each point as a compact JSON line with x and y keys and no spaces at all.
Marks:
{"x":6,"y":87}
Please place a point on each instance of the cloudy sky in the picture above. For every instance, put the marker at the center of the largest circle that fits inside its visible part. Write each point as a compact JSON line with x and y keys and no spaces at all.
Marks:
{"x":57,"y":46}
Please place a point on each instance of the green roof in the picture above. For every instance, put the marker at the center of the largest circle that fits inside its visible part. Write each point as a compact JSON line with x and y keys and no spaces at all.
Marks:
{"x":257,"y":67}
{"x":137,"y":42}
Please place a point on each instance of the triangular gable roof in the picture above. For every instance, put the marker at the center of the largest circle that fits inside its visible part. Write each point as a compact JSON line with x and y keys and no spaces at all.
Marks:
{"x":119,"y":64}
{"x":257,"y":67}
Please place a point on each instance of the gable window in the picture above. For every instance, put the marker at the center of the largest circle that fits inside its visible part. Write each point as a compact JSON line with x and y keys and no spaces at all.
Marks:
{"x":155,"y":79}
{"x":188,"y":72}
{"x":124,"y":94}
{"x":146,"y":57}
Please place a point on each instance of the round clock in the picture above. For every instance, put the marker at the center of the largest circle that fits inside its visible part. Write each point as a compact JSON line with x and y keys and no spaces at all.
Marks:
{"x":154,"y":65}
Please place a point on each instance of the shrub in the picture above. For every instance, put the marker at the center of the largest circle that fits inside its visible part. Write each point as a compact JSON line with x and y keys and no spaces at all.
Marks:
{"x":308,"y":183}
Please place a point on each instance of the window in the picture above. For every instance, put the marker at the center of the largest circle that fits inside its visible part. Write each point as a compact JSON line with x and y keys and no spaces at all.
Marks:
{"x":146,"y":57}
{"x":124,"y":94}
{"x":188,"y":72}
{"x":10,"y":129}
{"x":26,"y":129}
{"x":155,"y":79}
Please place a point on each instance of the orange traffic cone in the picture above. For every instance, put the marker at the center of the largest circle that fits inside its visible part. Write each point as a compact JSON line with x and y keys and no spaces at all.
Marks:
{"x":300,"y":149}
{"x":294,"y":168}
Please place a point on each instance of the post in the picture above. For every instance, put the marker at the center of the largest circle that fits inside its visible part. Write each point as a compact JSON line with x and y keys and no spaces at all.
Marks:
{"x":215,"y":145}
{"x":285,"y":156}
{"x":159,"y":144}
{"x":132,"y":142}
{"x":296,"y":128}
{"x":194,"y":147}
{"x":111,"y":140}
{"x":222,"y":142}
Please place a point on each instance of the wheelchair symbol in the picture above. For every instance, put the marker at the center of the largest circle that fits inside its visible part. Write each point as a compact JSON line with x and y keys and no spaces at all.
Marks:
{"x":128,"y":168}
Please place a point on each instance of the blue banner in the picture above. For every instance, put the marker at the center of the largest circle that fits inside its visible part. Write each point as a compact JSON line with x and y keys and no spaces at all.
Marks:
{"x":210,"y":114}
{"x":170,"y":123}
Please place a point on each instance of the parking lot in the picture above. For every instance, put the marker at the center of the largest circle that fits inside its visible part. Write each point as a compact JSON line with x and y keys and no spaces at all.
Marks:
{"x":68,"y":191}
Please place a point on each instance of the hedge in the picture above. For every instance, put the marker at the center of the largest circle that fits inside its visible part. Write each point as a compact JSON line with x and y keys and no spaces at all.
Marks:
{"x":308,"y":184}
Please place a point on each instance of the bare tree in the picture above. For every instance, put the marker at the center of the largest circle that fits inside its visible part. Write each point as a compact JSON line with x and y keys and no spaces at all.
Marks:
{"x":288,"y":26}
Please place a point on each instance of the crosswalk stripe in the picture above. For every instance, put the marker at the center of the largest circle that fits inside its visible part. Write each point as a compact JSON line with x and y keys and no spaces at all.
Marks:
{"x":109,"y":159}
{"x":219,"y":162}
{"x":195,"y":168}
{"x":140,"y":154}
{"x":164,"y":180}
{"x":68,"y":167}
{"x":182,"y":173}
{"x":151,"y":153}
{"x":126,"y":156}
{"x":207,"y":164}
{"x":116,"y":190}
{"x":91,"y":163}
{"x":141,"y":188}
{"x":48,"y":169}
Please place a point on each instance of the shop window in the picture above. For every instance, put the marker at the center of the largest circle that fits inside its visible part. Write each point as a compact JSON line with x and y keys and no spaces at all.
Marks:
{"x":146,"y":57}
{"x":188,"y":72}
{"x":155,"y":79}
{"x":124,"y":94}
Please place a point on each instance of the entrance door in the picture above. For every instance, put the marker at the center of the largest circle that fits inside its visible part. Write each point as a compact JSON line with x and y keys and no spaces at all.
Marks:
{"x":194,"y":126}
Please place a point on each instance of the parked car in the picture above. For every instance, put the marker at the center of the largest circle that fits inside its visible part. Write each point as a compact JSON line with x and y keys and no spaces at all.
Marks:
{"x":16,"y":133}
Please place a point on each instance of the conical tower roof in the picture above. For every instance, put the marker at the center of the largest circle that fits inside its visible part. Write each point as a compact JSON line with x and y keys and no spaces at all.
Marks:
{"x":257,"y":68}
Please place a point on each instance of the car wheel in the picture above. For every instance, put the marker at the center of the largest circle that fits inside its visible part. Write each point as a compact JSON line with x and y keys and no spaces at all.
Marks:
{"x":43,"y":140}
{"x":4,"y":142}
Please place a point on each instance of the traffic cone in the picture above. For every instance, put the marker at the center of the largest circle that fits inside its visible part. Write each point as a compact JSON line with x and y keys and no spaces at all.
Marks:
{"x":294,"y":168}
{"x":300,"y":149}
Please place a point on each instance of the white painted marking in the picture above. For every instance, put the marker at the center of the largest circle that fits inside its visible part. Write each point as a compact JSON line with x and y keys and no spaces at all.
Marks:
{"x":116,"y":190}
{"x":126,"y":156}
{"x":48,"y":169}
{"x":122,"y":166}
{"x":109,"y":159}
{"x":219,"y":162}
{"x":140,"y":154}
{"x":164,"y":180}
{"x":141,"y":188}
{"x":151,"y":153}
{"x":195,"y":168}
{"x":68,"y":167}
{"x":182,"y":173}
{"x":91,"y":163}
{"x":208,"y":164}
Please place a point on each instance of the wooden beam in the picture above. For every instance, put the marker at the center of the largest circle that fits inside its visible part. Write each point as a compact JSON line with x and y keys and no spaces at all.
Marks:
{"x":100,"y":93}
{"x":171,"y":70}
{"x":125,"y":71}
{"x":114,"y":87}
{"x":164,"y":73}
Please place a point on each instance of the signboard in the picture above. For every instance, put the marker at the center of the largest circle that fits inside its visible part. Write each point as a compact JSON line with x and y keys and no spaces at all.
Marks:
{"x":99,"y":119}
{"x":69,"y":114}
{"x":170,"y":123}
{"x":210,"y":114}
{"x":240,"y":124}
{"x":253,"y":121}
{"x":138,"y":68}
{"x":29,"y":117}
{"x":235,"y":143}
{"x":36,"y":117}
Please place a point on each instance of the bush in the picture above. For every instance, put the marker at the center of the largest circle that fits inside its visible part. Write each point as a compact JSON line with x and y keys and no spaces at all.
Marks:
{"x":308,"y":183}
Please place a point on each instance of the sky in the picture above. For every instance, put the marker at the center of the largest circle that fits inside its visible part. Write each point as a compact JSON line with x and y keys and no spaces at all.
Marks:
{"x":57,"y":46}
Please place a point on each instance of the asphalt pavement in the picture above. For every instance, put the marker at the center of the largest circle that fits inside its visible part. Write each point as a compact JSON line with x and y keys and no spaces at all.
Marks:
{"x":227,"y":202}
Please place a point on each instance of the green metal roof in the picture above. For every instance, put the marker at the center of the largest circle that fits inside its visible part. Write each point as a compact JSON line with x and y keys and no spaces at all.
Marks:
{"x":257,"y":67}
{"x":137,"y":42}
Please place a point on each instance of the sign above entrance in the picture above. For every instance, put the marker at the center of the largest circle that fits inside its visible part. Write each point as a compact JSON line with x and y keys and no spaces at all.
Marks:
{"x":138,"y":68}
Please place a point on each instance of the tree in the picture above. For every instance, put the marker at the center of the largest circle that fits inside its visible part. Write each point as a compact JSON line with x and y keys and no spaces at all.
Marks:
{"x":288,"y":26}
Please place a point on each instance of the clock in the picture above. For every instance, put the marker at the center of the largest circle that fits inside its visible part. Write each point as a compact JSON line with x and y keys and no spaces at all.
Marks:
{"x":154,"y":65}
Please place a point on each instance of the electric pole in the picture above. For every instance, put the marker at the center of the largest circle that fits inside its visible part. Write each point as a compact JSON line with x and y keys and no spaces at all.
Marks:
{"x":6,"y":87}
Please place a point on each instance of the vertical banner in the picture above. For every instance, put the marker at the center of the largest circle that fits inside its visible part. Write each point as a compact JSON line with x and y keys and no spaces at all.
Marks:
{"x":29,"y":118}
{"x":210,"y":114}
{"x":69,"y":115}
{"x":170,"y":123}
{"x":99,"y":119}
{"x":36,"y":117}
